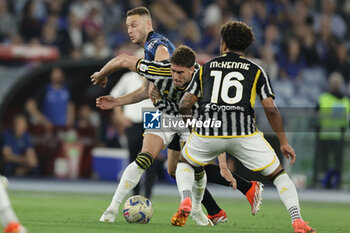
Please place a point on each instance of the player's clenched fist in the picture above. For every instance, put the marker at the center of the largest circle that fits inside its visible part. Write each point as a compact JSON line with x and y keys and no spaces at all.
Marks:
{"x":98,"y":79}
{"x":106,"y":102}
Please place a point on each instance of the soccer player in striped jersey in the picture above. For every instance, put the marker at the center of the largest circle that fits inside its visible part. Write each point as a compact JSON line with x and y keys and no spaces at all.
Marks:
{"x":157,"y":47}
{"x":225,"y":89}
{"x":171,"y":78}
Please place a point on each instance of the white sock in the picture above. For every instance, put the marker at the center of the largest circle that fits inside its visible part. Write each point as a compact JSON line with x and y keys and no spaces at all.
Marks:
{"x":7,"y":214}
{"x":130,"y":178}
{"x":198,"y":193}
{"x":184,"y":179}
{"x":288,"y":195}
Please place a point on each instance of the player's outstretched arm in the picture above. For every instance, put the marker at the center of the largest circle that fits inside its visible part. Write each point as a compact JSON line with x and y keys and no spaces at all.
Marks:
{"x":106,"y":102}
{"x":275,"y":120}
{"x":225,"y":172}
{"x":136,"y":96}
{"x":109,"y":102}
{"x":122,"y":61}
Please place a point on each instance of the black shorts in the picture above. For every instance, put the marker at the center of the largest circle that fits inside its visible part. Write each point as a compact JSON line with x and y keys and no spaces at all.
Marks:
{"x":175,"y":143}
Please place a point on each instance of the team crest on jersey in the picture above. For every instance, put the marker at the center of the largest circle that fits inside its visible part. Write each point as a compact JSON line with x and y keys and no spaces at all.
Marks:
{"x":143,"y":67}
{"x":152,"y":119}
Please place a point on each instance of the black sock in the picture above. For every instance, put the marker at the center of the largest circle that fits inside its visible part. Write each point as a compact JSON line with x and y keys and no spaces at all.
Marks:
{"x":210,"y":204}
{"x":213,"y":176}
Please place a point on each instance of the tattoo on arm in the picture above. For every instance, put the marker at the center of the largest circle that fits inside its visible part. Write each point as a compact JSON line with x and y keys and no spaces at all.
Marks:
{"x":186,"y":103}
{"x":185,"y":106}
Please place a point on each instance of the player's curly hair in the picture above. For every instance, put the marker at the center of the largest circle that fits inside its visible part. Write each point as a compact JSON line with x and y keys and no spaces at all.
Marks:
{"x":183,"y":56}
{"x":138,"y":11}
{"x":237,"y":35}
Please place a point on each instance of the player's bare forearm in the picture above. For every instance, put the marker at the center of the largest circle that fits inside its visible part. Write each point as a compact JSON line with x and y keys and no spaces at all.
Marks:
{"x":134,"y":97}
{"x":185,"y":106}
{"x":274,"y":117}
{"x":186,"y":103}
{"x":225,"y":172}
{"x":154,"y":93}
{"x":275,"y":120}
{"x":222,"y":160}
{"x":106,"y":102}
{"x":122,"y":61}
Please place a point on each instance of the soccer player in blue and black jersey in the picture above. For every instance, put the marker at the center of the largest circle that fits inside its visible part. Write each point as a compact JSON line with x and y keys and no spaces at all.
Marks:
{"x":156,"y":48}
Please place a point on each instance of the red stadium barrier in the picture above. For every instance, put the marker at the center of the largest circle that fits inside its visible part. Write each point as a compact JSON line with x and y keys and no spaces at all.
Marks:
{"x":27,"y":52}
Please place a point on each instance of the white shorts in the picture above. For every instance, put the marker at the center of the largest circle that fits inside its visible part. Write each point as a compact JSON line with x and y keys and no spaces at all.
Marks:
{"x":253,"y":151}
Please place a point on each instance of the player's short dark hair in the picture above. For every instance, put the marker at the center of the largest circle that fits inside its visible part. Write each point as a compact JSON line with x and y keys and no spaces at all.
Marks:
{"x":237,"y":35}
{"x":138,"y":11}
{"x":183,"y":56}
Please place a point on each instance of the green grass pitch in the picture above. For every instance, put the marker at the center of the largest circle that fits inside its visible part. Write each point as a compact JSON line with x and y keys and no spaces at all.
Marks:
{"x":76,"y":213}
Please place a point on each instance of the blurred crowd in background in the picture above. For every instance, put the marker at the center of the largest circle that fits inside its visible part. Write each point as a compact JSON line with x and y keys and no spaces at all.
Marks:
{"x":291,"y":36}
{"x":299,"y":43}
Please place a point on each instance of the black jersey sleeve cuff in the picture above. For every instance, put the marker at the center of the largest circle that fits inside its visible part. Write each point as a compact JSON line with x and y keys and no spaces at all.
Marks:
{"x":138,"y":64}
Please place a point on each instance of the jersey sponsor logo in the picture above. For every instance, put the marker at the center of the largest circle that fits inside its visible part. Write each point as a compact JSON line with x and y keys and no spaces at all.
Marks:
{"x":222,"y":108}
{"x":143,"y":68}
{"x":152,"y":120}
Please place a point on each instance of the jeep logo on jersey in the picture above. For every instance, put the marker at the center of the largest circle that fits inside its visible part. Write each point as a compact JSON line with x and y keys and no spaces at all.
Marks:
{"x":152,"y":119}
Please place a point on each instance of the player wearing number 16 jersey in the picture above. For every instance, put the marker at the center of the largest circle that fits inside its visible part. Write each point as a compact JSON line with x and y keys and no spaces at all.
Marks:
{"x":230,"y":91}
{"x":226,"y":88}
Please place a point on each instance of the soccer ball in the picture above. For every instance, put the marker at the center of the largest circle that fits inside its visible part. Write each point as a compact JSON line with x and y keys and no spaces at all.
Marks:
{"x":138,"y":209}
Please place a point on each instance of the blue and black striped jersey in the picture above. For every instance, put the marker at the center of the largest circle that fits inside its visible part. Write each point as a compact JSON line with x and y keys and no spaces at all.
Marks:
{"x":152,"y":43}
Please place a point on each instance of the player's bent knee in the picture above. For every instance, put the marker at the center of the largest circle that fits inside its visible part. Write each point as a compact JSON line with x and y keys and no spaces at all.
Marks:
{"x":279,"y":171}
{"x":144,"y":160}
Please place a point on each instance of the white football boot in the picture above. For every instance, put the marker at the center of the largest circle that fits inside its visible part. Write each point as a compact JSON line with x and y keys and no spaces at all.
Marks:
{"x":201,"y":219}
{"x":108,"y":216}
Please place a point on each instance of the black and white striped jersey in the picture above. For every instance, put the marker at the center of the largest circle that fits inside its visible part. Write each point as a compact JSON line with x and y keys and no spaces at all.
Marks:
{"x":159,"y":72}
{"x":227,"y":87}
